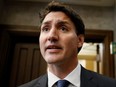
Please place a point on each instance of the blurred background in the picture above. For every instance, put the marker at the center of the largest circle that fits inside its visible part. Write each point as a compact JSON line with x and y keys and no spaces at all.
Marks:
{"x":20,"y":58}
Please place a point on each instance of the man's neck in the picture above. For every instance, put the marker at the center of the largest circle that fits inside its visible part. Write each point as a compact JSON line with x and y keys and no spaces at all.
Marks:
{"x":62,"y":70}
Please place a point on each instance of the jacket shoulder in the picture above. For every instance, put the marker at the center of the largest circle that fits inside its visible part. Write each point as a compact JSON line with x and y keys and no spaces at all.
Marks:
{"x":98,"y":79}
{"x":36,"y":82}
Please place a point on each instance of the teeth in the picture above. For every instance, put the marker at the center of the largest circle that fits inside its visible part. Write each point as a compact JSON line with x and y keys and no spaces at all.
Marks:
{"x":53,"y":47}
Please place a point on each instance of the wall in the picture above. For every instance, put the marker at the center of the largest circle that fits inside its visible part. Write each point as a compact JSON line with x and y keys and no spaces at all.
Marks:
{"x":21,"y":14}
{"x":26,"y":13}
{"x":97,"y":17}
{"x":1,"y":5}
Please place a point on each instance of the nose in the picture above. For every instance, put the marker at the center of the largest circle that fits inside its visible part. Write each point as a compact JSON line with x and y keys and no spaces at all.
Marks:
{"x":53,"y":35}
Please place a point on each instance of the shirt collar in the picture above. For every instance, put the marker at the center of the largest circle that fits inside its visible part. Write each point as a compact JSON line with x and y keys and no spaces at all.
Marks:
{"x":52,"y":79}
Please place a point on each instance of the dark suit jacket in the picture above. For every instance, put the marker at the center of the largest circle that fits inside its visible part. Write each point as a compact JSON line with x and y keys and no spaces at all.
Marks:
{"x":88,"y":79}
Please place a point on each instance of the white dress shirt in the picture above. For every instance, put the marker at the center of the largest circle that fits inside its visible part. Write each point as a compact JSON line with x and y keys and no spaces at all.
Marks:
{"x":73,"y":78}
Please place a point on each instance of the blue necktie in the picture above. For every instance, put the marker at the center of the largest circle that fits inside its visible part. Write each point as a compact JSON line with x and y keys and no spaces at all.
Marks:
{"x":62,"y":83}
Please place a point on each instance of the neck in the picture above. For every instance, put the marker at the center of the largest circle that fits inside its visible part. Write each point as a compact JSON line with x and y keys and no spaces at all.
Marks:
{"x":62,"y":70}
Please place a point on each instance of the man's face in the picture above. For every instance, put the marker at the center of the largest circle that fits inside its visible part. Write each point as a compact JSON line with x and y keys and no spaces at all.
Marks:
{"x":58,"y":39}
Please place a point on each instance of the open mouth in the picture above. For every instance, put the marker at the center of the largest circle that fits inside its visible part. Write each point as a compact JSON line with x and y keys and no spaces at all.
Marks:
{"x":53,"y":47}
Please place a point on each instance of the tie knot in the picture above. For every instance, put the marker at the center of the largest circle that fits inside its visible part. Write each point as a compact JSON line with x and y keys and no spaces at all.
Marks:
{"x":62,"y":83}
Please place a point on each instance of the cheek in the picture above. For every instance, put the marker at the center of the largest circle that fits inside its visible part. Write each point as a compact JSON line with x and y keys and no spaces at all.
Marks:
{"x":71,"y":43}
{"x":41,"y":42}
{"x":42,"y":39}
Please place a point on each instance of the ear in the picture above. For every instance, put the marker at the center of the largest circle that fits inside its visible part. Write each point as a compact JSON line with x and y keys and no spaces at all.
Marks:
{"x":80,"y":40}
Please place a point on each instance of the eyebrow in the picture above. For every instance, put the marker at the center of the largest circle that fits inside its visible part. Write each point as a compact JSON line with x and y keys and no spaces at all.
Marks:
{"x":58,"y":22}
{"x":62,"y":22}
{"x":47,"y":22}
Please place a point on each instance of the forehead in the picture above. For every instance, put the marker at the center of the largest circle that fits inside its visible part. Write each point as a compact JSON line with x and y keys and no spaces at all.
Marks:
{"x":56,"y":16}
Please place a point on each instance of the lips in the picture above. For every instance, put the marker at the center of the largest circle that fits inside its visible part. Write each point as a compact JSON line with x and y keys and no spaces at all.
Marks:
{"x":53,"y":48}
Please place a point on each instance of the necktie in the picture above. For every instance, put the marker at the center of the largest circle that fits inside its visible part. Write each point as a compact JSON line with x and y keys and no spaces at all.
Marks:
{"x":62,"y":83}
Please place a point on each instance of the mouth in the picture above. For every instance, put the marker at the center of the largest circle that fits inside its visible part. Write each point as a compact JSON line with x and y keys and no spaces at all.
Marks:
{"x":53,"y":48}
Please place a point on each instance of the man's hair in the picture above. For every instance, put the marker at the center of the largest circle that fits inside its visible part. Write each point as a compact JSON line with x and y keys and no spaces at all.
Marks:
{"x":75,"y":18}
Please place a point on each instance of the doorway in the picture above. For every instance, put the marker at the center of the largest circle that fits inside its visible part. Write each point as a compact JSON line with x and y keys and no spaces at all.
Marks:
{"x":91,"y":56}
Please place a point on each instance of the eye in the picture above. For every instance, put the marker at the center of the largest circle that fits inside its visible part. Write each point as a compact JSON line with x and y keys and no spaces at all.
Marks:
{"x":45,"y":28}
{"x":64,"y":28}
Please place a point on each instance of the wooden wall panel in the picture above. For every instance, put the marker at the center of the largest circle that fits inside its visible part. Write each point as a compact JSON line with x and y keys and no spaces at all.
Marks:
{"x":27,"y":64}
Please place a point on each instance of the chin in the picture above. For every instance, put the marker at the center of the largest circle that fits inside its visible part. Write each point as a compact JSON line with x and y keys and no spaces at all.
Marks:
{"x":53,"y":60}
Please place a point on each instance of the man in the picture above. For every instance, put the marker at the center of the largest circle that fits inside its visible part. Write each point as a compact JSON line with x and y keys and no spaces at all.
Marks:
{"x":61,"y":38}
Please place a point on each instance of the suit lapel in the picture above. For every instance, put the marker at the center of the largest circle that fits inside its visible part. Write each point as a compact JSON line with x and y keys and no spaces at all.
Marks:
{"x":43,"y":81}
{"x":87,"y":80}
